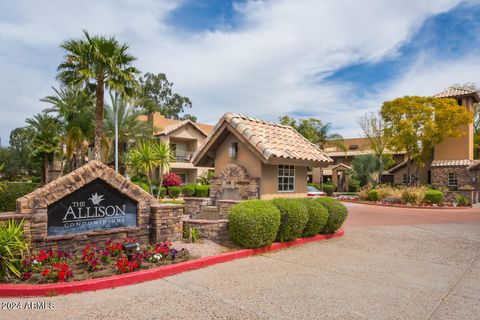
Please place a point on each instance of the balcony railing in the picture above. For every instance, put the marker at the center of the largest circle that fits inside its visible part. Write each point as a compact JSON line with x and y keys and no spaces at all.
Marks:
{"x":183,"y":156}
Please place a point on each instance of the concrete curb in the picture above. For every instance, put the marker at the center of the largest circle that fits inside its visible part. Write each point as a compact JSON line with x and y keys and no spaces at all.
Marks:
{"x":52,"y":289}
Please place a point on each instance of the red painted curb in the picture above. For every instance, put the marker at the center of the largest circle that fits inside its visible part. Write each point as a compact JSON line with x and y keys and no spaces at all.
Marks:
{"x":51,"y":289}
{"x":400,"y":206}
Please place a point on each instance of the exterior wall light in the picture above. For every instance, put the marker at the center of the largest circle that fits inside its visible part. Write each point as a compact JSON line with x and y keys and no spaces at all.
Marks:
{"x":233,"y":150}
{"x":129,"y":248}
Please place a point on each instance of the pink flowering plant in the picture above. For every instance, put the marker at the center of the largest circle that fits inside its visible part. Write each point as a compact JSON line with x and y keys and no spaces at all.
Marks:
{"x":51,"y":265}
{"x":171,"y":180}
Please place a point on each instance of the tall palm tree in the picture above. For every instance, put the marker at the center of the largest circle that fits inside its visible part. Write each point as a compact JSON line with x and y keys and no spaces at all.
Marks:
{"x":44,"y":131}
{"x":129,"y":127}
{"x":165,"y":157}
{"x":98,"y":62}
{"x":74,"y":107}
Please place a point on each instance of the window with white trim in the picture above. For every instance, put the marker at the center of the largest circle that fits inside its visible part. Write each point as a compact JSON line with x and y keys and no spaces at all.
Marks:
{"x":286,"y":178}
{"x":452,"y":179}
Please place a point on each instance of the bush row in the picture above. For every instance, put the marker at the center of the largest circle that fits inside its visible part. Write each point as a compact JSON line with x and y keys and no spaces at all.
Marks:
{"x":412,"y":195}
{"x":12,"y":191}
{"x":327,"y":188}
{"x":258,"y":223}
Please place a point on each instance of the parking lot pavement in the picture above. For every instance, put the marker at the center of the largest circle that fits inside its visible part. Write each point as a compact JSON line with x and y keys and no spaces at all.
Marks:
{"x":428,"y":271}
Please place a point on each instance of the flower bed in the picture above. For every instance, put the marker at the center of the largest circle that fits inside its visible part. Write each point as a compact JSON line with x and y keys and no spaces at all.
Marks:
{"x":386,"y":203}
{"x":92,"y":262}
{"x":49,"y":289}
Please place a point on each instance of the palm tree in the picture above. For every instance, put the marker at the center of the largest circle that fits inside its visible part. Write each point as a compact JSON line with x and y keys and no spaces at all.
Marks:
{"x":165,"y":156}
{"x":365,"y":168}
{"x":143,"y":158}
{"x":98,"y":62}
{"x":129,"y":127}
{"x":74,"y":107}
{"x":44,"y":132}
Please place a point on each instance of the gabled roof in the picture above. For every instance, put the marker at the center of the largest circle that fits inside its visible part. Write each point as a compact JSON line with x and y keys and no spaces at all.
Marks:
{"x":454,"y":92}
{"x":266,"y":139}
{"x":169,"y":129}
{"x":160,"y":123}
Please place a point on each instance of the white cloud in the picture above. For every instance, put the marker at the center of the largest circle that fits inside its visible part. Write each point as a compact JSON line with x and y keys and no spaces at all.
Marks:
{"x":265,"y":68}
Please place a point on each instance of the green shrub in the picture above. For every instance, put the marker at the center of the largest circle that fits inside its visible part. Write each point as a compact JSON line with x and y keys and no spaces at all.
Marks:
{"x":190,"y":235}
{"x":316,"y":185}
{"x":202,"y":191}
{"x":353,"y":185}
{"x":329,"y":189}
{"x":142,"y":185}
{"x":317,"y":217}
{"x":188,"y":190}
{"x":434,"y":197}
{"x":337,"y":213}
{"x":294,"y":218}
{"x":462,"y":200}
{"x":11,"y":192}
{"x":163,"y":192}
{"x":174,"y":192}
{"x":12,"y":246}
{"x":36,"y":179}
{"x":253,"y":223}
{"x":373,"y":195}
{"x":413,"y":195}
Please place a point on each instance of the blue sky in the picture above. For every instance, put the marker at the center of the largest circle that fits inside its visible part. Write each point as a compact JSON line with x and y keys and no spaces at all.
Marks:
{"x":334,"y":60}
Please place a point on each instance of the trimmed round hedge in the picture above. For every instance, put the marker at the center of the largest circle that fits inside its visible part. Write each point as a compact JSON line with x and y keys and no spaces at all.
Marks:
{"x":317,"y":217}
{"x":373,"y":195}
{"x":294,"y":217}
{"x":328,"y":189}
{"x":253,"y":223}
{"x":433,"y":197}
{"x":337,"y":213}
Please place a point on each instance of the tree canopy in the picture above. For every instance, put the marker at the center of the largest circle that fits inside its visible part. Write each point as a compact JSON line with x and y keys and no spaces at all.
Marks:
{"x":314,"y":130}
{"x":156,"y":95}
{"x":415,"y":124}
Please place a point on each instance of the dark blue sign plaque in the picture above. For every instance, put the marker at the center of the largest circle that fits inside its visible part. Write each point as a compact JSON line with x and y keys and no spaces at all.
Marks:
{"x":95,"y":206}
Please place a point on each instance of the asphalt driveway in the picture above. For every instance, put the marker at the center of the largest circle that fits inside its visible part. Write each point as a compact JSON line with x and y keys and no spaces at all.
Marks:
{"x":410,"y":271}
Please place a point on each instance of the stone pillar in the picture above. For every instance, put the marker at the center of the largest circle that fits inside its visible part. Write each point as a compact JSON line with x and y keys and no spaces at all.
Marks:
{"x":167,"y":222}
{"x":194,"y":205}
{"x":224,"y":206}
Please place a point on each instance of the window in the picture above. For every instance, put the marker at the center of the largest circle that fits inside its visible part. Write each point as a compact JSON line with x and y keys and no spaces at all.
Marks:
{"x":286,"y":178}
{"x":233,"y":150}
{"x":405,"y":178}
{"x":452,"y":179}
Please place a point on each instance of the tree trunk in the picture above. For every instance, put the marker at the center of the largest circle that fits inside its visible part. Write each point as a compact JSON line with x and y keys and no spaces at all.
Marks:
{"x":97,"y":150}
{"x":44,"y":168}
{"x":150,"y":117}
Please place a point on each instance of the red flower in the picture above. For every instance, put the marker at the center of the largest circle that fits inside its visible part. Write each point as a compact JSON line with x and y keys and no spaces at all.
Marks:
{"x":45,"y":272}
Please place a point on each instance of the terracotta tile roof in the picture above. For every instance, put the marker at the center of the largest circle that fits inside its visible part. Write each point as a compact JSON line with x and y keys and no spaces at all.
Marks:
{"x":452,"y":163}
{"x":454,"y":92}
{"x":352,"y":153}
{"x":270,"y":139}
{"x":328,"y":171}
{"x":170,"y":129}
{"x":160,"y":123}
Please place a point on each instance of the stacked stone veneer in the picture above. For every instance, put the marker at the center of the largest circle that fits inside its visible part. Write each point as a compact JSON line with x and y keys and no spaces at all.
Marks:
{"x":215,"y":230}
{"x":235,"y":177}
{"x":155,"y":222}
{"x":468,"y":181}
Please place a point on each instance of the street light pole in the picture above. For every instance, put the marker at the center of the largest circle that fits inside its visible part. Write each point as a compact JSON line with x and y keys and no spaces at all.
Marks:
{"x":116,"y":138}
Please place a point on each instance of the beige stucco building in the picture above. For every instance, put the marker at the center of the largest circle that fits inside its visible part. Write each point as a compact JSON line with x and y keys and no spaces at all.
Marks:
{"x":257,"y":159}
{"x":185,"y":137}
{"x":451,"y":164}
